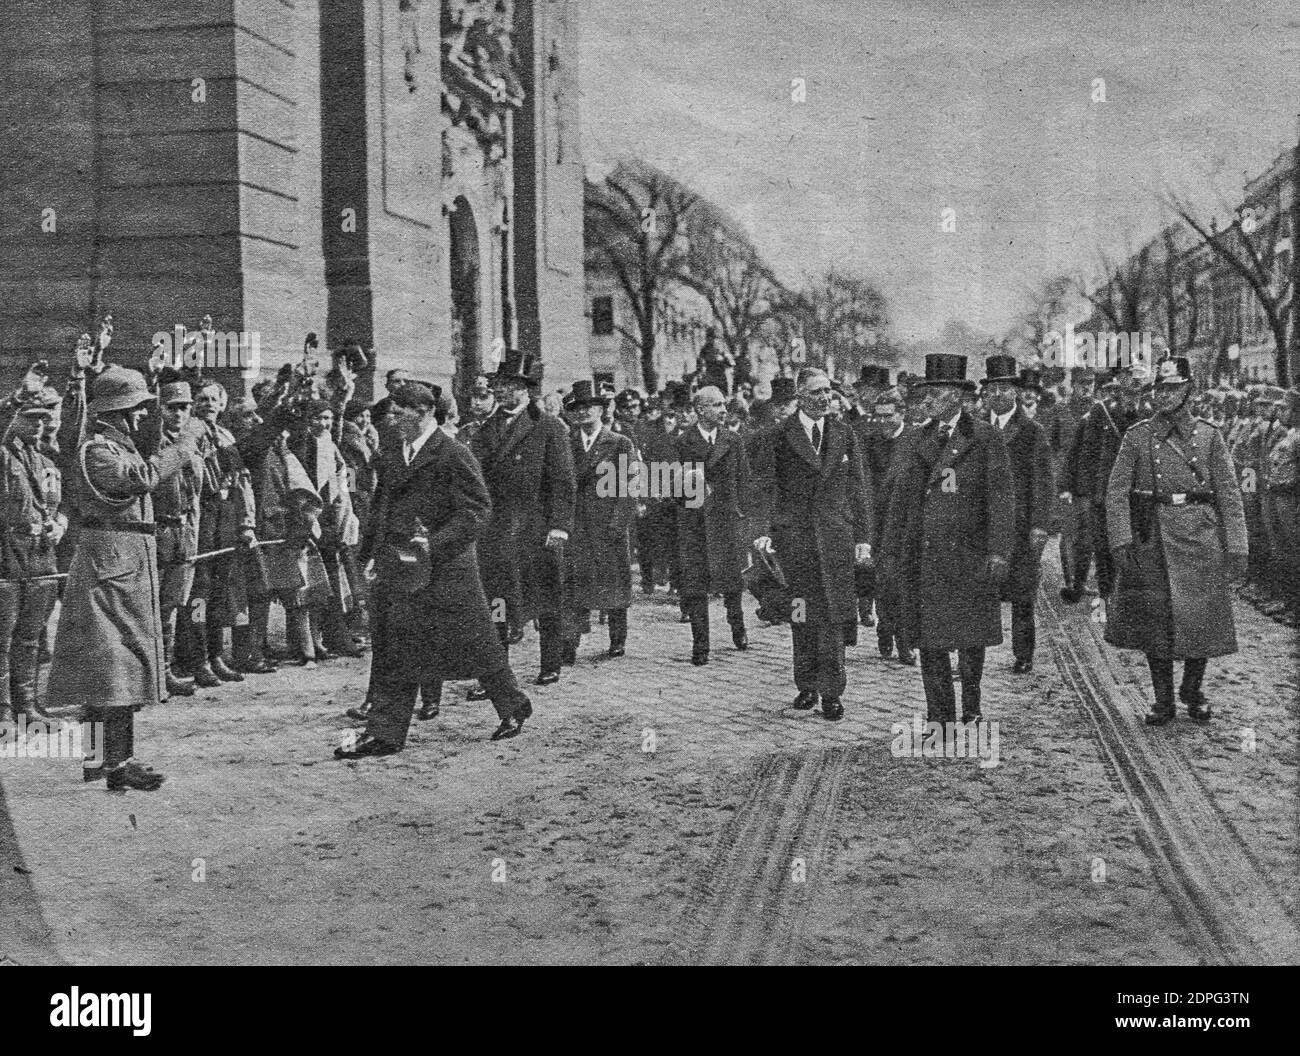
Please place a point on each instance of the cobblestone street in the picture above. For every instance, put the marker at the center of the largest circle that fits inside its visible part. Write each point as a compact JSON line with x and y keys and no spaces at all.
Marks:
{"x":658,"y":812}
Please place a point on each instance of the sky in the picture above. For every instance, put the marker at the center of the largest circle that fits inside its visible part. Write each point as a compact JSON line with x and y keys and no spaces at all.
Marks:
{"x":984,"y":107}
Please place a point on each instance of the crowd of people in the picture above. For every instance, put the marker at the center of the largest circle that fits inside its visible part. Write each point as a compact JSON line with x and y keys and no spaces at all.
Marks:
{"x":914,"y":505}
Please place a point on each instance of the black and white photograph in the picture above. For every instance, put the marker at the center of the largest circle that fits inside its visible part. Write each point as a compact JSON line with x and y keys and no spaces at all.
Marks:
{"x":685,"y":482}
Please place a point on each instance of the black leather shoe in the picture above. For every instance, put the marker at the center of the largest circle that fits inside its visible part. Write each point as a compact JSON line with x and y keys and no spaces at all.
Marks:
{"x":179,"y":687}
{"x":1022,"y":667}
{"x":365,"y":747}
{"x":615,"y":651}
{"x":133,"y":775}
{"x":258,"y":666}
{"x":477,"y":693}
{"x":92,"y":773}
{"x":907,"y":657}
{"x":513,"y":725}
{"x":740,"y":640}
{"x":1071,"y":595}
{"x":1158,"y":718}
{"x":546,"y":678}
{"x":1201,"y":712}
{"x":224,"y":671}
{"x":363,"y":713}
{"x":427,"y":712}
{"x":205,"y":677}
{"x":832,"y":709}
{"x":805,"y":701}
{"x":886,"y":650}
{"x":699,"y":659}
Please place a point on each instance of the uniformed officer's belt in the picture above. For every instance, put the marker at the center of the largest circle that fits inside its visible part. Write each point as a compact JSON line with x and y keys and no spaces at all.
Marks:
{"x":137,"y":528}
{"x":1179,"y":498}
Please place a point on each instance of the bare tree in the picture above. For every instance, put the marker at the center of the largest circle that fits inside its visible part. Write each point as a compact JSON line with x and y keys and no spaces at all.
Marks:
{"x":842,"y":315}
{"x":1252,"y":255}
{"x":635,"y":223}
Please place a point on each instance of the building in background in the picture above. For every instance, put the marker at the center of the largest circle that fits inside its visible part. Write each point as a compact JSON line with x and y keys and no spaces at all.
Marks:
{"x":405,"y":174}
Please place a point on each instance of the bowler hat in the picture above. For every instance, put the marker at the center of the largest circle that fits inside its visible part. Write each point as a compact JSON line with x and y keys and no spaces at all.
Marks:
{"x":1001,"y":368}
{"x":118,"y":389}
{"x":945,"y":368}
{"x":1173,"y":370}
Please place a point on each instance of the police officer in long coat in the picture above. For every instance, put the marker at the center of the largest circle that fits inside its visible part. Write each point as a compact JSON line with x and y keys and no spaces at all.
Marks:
{"x":949,"y":539}
{"x":1031,"y":478}
{"x":527,"y":462}
{"x":598,"y":557}
{"x":108,"y":657}
{"x":429,"y":600}
{"x":820,"y":517}
{"x":710,"y":520}
{"x":32,"y":522}
{"x":1178,"y":537}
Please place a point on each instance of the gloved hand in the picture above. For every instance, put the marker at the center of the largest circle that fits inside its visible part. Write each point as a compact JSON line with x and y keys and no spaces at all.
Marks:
{"x":862,"y":554}
{"x":764,"y":543}
{"x":556,"y":537}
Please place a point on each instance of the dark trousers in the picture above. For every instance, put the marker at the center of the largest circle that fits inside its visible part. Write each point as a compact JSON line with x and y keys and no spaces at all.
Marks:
{"x":889,"y":613}
{"x":24,"y":609}
{"x":936,"y":676}
{"x":1101,"y":551}
{"x":1023,"y":633}
{"x":697,"y":608}
{"x":1077,"y":550}
{"x":1162,"y":680}
{"x":113,"y":733}
{"x":819,"y":657}
{"x":581,"y":622}
{"x":398,"y":685}
{"x":550,"y":630}
{"x":864,"y":586}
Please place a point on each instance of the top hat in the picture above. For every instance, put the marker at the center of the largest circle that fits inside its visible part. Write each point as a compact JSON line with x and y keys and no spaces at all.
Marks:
{"x":783,"y":390}
{"x":1173,"y":370}
{"x":1031,"y":378}
{"x":118,"y":389}
{"x":519,"y":366}
{"x":945,"y":368}
{"x":584,"y":394}
{"x":1001,"y":368}
{"x":175,"y":392}
{"x":872,"y":375}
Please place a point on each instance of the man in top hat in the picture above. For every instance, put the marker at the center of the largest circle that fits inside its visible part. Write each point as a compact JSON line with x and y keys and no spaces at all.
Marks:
{"x":32,"y":522}
{"x":711,"y":548}
{"x":528,"y":465}
{"x":108,"y":656}
{"x":820,"y":517}
{"x":777,"y":408}
{"x":598,"y":557}
{"x":657,"y":556}
{"x":176,"y":505}
{"x":1178,"y":537}
{"x":1031,"y":480}
{"x":1088,"y":470}
{"x":949,"y":538}
{"x":432,"y":614}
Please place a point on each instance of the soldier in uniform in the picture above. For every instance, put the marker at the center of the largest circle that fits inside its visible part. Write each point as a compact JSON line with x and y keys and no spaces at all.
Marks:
{"x":1178,"y":536}
{"x":949,"y":538}
{"x":1031,"y":480}
{"x":33,"y":524}
{"x":1282,"y":505}
{"x":527,"y":463}
{"x":820,"y":517}
{"x":108,"y":649}
{"x":176,"y":506}
{"x":709,"y":542}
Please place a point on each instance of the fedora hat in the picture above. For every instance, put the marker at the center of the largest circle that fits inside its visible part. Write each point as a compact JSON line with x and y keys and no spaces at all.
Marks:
{"x":945,"y":368}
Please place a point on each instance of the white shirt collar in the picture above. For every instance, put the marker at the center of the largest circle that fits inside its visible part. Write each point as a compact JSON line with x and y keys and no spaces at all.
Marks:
{"x":808,"y":424}
{"x":1000,"y":420}
{"x":710,"y":435}
{"x":952,"y":422}
{"x":588,"y":441}
{"x":413,"y":448}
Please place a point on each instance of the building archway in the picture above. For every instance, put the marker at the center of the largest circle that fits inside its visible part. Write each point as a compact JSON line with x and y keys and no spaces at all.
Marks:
{"x":467,"y":356}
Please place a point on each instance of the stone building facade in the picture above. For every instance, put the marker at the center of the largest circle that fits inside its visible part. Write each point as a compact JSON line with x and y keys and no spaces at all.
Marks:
{"x":405,"y":174}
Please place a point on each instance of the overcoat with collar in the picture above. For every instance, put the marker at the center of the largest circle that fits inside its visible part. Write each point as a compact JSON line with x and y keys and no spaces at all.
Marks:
{"x":108,"y":647}
{"x":599,"y":552}
{"x":1031,"y":476}
{"x":444,"y":629}
{"x":819,"y":509}
{"x":952,"y":507}
{"x":1172,"y":598}
{"x":709,"y":533}
{"x":528,"y":467}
